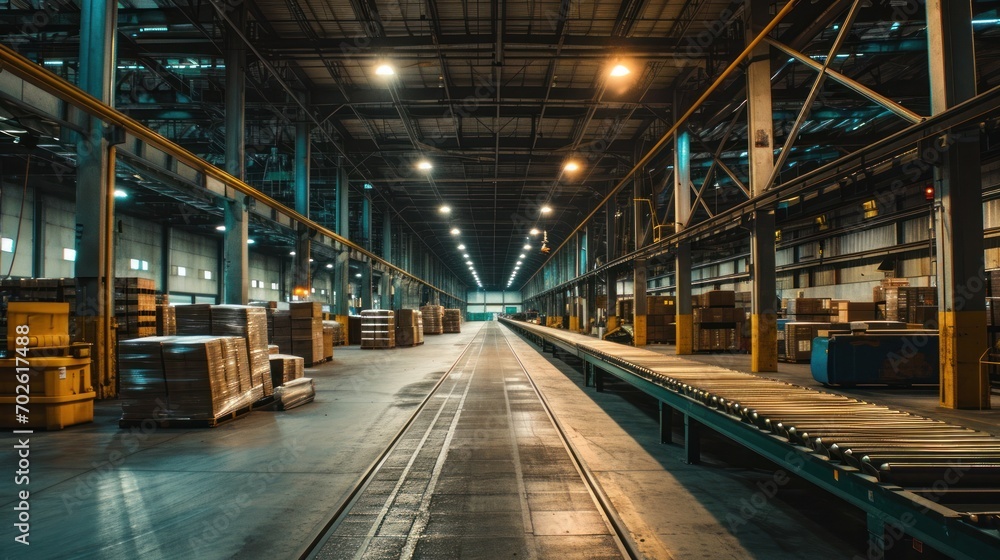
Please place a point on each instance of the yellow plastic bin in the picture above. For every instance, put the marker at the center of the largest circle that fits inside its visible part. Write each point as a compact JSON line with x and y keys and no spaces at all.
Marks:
{"x":50,"y":413}
{"x":48,"y":323}
{"x":47,"y":377}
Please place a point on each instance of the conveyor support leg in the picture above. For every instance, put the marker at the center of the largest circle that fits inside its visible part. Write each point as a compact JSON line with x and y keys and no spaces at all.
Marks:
{"x":692,"y":440}
{"x":666,"y":423}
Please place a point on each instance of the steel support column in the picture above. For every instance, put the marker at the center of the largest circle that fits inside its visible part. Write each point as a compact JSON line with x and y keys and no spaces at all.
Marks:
{"x":639,"y":304}
{"x":682,"y":258}
{"x":366,"y":285}
{"x":235,"y":283}
{"x":764,"y":341}
{"x":95,"y":187}
{"x":303,"y":246}
{"x":342,"y":268}
{"x":958,"y":211}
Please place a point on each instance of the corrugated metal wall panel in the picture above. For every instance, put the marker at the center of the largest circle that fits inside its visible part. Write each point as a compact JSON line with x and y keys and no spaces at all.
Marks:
{"x":784,"y":257}
{"x":917,"y":229}
{"x":991,"y":214}
{"x":915,"y":267}
{"x":866,"y":240}
{"x":853,"y":274}
{"x":826,"y":277}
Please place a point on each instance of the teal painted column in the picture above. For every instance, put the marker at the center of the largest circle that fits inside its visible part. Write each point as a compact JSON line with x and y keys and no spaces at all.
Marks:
{"x":682,"y":260}
{"x":341,"y":269}
{"x":303,"y":247}
{"x":235,"y":267}
{"x":95,"y":172}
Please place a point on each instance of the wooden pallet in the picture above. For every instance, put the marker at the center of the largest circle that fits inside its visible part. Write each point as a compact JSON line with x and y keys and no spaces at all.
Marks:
{"x":188,"y":423}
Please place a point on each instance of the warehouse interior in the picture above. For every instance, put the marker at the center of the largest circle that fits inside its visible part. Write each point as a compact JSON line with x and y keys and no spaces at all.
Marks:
{"x":712,"y":278}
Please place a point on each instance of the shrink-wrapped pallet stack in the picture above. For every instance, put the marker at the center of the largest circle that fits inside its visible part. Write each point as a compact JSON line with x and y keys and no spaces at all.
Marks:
{"x":135,"y":307}
{"x":306,"y":331}
{"x":433,"y":319}
{"x":717,"y":322}
{"x":188,"y":378}
{"x":249,"y":323}
{"x":452,"y":321}
{"x":329,"y":335}
{"x":166,"y":320}
{"x":409,"y":328}
{"x":285,"y":368}
{"x":378,"y":329}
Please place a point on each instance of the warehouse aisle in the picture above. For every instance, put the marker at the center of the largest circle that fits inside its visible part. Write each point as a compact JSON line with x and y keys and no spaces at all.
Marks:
{"x":482,"y":473}
{"x":491,"y":479}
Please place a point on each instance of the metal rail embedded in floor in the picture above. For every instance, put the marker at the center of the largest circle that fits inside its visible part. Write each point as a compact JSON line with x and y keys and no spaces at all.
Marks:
{"x":481,"y":469}
{"x":932,"y":480}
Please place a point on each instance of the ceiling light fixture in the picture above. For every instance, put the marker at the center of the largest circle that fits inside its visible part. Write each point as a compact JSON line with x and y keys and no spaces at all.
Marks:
{"x":620,"y":70}
{"x":521,"y":256}
{"x":571,"y":166}
{"x":455,"y":231}
{"x":445,"y":209}
{"x":424,"y":165}
{"x":385,"y":69}
{"x":545,"y":209}
{"x":527,"y":247}
{"x":120,"y":193}
{"x":220,"y":228}
{"x":534,"y":231}
{"x":461,"y":247}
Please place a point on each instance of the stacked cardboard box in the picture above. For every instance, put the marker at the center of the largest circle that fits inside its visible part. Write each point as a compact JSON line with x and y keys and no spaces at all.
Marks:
{"x":799,"y":338}
{"x":197,"y":384}
{"x":879,"y":292}
{"x":452,"y":321}
{"x":717,"y":323}
{"x":433,"y":319}
{"x":166,"y":320}
{"x":810,"y":310}
{"x":409,"y":328}
{"x":285,"y":368}
{"x":307,"y":331}
{"x":249,"y":323}
{"x":847,"y":311}
{"x":135,"y":307}
{"x":184,"y":377}
{"x":330,"y":332}
{"x":378,"y":328}
{"x":143,"y":389}
{"x":660,"y":319}
{"x":338,"y":331}
{"x":193,"y":320}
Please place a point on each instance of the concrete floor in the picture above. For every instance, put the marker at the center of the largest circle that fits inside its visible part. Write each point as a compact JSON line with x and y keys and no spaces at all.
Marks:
{"x":260,"y":486}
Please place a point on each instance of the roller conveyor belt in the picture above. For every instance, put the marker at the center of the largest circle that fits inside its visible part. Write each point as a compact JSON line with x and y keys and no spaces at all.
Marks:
{"x":933,"y":466}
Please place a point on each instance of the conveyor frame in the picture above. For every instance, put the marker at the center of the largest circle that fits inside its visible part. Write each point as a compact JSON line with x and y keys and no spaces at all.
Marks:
{"x":890,"y":509}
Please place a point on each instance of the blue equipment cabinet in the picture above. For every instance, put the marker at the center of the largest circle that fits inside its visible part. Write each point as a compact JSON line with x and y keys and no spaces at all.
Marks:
{"x":883,"y":358}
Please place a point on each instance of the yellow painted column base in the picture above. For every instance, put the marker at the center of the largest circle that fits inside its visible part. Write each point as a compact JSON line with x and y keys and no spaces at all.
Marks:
{"x":639,"y":331}
{"x":685,"y":334}
{"x":612,"y":323}
{"x":574,"y":323}
{"x":763,"y":343}
{"x":962,"y":341}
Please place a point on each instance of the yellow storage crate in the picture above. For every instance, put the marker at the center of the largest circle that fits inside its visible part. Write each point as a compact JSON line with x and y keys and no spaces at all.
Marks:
{"x":50,"y":413}
{"x":48,"y":323}
{"x":50,"y":377}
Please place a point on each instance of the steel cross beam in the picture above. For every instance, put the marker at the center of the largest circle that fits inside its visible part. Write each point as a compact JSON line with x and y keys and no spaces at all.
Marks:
{"x":817,"y":85}
{"x":853,"y":85}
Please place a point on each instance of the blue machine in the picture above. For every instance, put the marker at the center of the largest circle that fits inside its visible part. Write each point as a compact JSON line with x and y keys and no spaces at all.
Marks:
{"x":876,"y":358}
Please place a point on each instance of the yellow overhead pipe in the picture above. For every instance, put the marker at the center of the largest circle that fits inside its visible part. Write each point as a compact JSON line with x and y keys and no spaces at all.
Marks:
{"x":22,"y":67}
